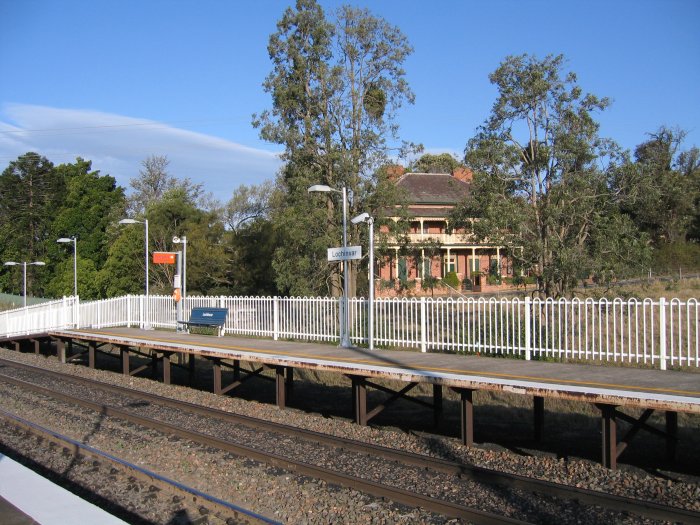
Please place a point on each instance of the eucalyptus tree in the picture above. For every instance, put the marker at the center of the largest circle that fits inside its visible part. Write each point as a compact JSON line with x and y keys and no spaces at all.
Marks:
{"x":154,"y":181}
{"x":441,"y":163}
{"x":660,"y":188}
{"x":542,"y":184}
{"x":336,"y":86}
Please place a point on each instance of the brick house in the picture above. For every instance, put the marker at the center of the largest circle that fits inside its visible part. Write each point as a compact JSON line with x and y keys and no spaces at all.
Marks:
{"x":431,"y":199}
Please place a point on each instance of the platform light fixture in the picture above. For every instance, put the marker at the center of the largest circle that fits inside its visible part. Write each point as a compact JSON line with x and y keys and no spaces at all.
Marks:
{"x":24,"y":276}
{"x":75,"y":260}
{"x":367,"y":218}
{"x":344,"y":318}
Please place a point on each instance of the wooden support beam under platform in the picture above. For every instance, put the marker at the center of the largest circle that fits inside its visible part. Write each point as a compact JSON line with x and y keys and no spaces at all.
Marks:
{"x":166,"y":361}
{"x":37,"y":345}
{"x":466,"y":414}
{"x":359,"y":399}
{"x":284,"y":377}
{"x":612,"y":448}
{"x":61,"y":348}
{"x":538,"y":416}
{"x":126,"y":352}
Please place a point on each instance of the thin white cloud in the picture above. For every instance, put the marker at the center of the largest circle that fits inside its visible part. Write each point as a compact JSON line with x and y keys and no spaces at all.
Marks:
{"x":116,"y":145}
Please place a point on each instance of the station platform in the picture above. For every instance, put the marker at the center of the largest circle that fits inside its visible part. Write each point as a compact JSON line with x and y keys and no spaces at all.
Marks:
{"x":26,"y":498}
{"x":608,"y":387}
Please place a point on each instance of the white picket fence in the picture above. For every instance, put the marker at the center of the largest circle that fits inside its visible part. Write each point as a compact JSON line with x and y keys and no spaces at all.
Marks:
{"x":655,"y":333}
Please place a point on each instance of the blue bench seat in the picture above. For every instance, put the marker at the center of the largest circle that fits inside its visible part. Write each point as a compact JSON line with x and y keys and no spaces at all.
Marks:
{"x":207,"y":317}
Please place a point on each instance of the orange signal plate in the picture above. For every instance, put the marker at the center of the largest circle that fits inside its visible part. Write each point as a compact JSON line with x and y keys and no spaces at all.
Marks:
{"x":164,"y":257}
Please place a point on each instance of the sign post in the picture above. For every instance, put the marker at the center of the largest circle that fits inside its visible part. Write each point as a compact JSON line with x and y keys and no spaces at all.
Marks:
{"x":349,"y":253}
{"x":173,"y":258}
{"x":344,"y":254}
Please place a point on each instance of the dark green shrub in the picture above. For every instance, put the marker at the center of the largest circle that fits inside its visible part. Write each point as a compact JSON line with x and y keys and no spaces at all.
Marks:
{"x":451,"y":279}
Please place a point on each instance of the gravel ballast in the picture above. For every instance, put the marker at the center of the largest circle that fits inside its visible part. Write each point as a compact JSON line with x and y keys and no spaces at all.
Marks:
{"x":294,"y":499}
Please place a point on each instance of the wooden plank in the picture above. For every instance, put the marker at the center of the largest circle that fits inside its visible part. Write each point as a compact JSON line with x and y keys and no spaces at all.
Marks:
{"x":538,"y":415}
{"x":280,"y":387}
{"x":466,"y":404}
{"x":125,"y":355}
{"x":166,"y":369}
{"x":92,"y":348}
{"x":609,"y":441}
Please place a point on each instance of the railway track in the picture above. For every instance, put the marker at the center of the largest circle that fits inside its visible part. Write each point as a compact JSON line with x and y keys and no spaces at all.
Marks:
{"x":458,"y":472}
{"x":180,"y":499}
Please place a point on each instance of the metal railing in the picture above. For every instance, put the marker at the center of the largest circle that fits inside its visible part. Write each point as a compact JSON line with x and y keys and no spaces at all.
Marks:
{"x":654,"y":333}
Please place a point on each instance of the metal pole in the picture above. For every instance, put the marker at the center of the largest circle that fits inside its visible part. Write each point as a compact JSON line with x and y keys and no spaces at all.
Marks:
{"x":345,"y":335}
{"x":147,"y":323}
{"x":75,"y":266}
{"x":146,"y":250}
{"x":178,"y":310}
{"x":24,"y":284}
{"x":370,"y":221}
{"x":184,"y":267}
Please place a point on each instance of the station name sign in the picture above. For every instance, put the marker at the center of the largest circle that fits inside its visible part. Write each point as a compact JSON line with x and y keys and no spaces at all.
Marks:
{"x":349,"y":253}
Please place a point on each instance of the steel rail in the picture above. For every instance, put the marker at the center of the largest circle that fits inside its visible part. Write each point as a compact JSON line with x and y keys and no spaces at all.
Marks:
{"x":465,"y":471}
{"x":168,"y":485}
{"x":398,"y":495}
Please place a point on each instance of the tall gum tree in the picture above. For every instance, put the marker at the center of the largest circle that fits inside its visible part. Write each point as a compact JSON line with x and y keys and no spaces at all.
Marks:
{"x":335,"y":87}
{"x":542,"y":179}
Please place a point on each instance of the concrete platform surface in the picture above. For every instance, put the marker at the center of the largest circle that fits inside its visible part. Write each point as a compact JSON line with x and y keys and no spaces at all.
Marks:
{"x":27,"y":498}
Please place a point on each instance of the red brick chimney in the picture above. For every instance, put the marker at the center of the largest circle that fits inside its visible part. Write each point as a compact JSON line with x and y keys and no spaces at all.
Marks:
{"x":463,"y":174}
{"x":394,"y":172}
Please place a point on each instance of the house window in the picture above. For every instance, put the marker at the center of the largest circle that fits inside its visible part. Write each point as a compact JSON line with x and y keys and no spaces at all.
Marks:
{"x":450,"y":264}
{"x":427,"y":267}
{"x":403,"y":269}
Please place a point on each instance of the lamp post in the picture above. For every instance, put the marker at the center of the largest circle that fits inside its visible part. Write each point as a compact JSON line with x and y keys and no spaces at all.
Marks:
{"x":24,"y":276}
{"x":145,"y":223}
{"x":345,"y":322}
{"x":75,"y":261}
{"x":365,"y":217}
{"x":183,"y":240}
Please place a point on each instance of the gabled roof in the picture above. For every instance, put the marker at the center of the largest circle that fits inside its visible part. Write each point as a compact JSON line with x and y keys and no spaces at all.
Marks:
{"x":433,"y":188}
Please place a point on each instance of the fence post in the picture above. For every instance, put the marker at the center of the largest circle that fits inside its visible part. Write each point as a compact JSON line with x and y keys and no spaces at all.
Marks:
{"x":276,"y":318}
{"x":423,"y":326}
{"x":76,"y":305}
{"x":128,"y":311}
{"x":142,"y":323}
{"x":528,"y":329}
{"x":662,"y":333}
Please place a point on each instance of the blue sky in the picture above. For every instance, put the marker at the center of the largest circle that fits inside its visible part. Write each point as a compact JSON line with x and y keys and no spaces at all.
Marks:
{"x":117,"y":81}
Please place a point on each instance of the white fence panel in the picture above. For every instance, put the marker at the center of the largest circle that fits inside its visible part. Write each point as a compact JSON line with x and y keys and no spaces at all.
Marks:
{"x":633,"y":332}
{"x":39,"y":318}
